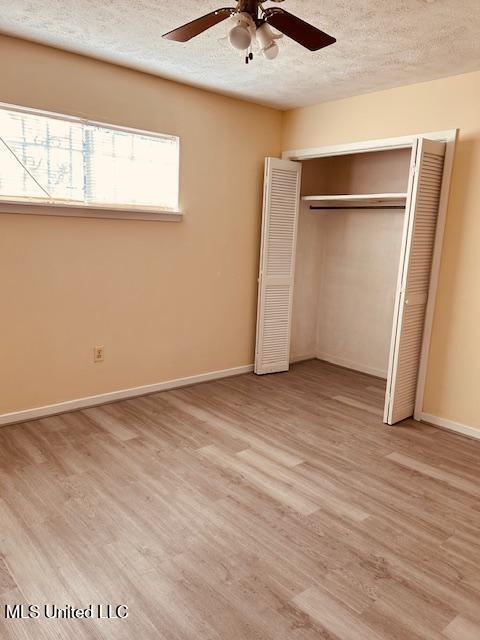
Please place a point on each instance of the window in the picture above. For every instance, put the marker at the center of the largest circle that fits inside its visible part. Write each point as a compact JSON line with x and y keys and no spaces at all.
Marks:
{"x":69,"y":161}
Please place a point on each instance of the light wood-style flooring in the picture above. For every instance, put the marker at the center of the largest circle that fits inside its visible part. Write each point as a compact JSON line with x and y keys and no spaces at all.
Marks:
{"x":252,"y":508}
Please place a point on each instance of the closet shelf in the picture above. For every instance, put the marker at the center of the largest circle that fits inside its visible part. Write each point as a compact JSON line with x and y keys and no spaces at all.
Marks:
{"x":357,"y":201}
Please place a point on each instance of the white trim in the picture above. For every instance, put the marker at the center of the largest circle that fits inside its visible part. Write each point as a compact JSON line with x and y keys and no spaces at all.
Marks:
{"x":366,"y":146}
{"x":351,"y":364}
{"x":450,"y":425}
{"x":73,"y":210}
{"x":449,"y":136}
{"x":105,"y":398}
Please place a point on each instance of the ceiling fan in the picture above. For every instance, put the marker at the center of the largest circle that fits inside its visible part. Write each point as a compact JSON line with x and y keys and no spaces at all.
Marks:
{"x":250,"y":22}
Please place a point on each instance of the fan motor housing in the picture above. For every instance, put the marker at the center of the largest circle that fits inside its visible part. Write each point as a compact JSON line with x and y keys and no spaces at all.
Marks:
{"x":248,"y":6}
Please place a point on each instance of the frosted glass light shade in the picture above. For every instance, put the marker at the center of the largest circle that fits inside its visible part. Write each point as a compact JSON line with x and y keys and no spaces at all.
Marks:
{"x":240,"y":37}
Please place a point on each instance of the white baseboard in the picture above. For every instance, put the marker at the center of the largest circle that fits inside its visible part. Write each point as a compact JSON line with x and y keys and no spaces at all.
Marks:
{"x":350,"y":364}
{"x":472,"y":432}
{"x":123,"y":394}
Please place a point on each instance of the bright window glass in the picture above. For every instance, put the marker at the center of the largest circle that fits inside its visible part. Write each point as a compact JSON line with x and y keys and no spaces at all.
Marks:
{"x":50,"y":158}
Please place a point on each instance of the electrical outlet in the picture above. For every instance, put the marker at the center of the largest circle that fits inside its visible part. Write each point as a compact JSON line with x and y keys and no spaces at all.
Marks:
{"x":98,"y":353}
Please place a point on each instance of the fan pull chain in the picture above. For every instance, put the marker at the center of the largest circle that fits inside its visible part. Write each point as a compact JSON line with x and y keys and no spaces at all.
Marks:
{"x":249,"y":56}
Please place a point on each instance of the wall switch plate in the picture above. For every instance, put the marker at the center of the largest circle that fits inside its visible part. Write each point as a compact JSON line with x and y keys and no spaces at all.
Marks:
{"x":98,"y":353}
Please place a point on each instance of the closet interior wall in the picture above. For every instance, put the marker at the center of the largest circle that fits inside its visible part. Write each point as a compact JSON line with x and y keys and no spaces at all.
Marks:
{"x":347,"y":262}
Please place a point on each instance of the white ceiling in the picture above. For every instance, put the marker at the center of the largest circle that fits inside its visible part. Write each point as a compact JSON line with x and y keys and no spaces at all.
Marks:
{"x":381,"y":44}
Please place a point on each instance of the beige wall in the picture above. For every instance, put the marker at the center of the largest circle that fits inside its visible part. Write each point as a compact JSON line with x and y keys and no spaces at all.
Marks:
{"x":166,"y":299}
{"x":357,"y":285}
{"x":454,"y":368}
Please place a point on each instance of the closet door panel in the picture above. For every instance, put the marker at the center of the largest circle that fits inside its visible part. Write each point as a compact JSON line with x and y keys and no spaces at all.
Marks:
{"x":277,"y":265}
{"x":414,"y":279}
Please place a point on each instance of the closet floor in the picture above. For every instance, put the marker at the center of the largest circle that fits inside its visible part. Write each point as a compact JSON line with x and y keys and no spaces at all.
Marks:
{"x":251,"y":508}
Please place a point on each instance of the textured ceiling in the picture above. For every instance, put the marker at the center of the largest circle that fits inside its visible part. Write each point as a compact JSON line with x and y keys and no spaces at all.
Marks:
{"x":381,"y":44}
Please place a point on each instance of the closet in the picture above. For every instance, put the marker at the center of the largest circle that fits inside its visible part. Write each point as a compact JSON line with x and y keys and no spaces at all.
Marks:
{"x":347,"y":247}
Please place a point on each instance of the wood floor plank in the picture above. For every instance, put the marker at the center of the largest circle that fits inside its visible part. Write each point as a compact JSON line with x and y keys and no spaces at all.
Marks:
{"x":252,"y":508}
{"x":322,"y":493}
{"x":274,"y":487}
{"x":470,"y":488}
{"x":334,"y":617}
{"x":352,"y":402}
{"x":7,"y":583}
{"x":229,"y":426}
{"x":462,"y":629}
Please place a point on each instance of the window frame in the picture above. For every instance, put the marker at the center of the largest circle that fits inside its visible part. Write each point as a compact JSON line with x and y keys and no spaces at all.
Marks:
{"x":65,"y":208}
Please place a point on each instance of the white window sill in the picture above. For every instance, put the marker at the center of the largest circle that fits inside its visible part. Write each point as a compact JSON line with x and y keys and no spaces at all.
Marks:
{"x":78,"y":210}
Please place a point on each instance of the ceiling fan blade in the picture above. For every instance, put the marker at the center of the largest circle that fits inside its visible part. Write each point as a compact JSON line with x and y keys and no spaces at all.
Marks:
{"x":305,"y":34}
{"x":191,"y":29}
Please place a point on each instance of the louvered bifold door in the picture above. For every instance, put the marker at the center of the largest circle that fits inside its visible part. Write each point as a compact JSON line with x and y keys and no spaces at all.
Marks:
{"x":414,"y":278}
{"x":277,"y":265}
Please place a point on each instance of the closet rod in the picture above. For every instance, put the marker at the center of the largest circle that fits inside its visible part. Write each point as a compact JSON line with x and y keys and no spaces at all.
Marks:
{"x":360,"y":207}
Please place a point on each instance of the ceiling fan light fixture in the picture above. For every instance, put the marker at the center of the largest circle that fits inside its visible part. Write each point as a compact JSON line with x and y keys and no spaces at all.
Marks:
{"x":271,"y":52}
{"x":250,"y":22}
{"x":240,"y":35}
{"x":266,"y":42}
